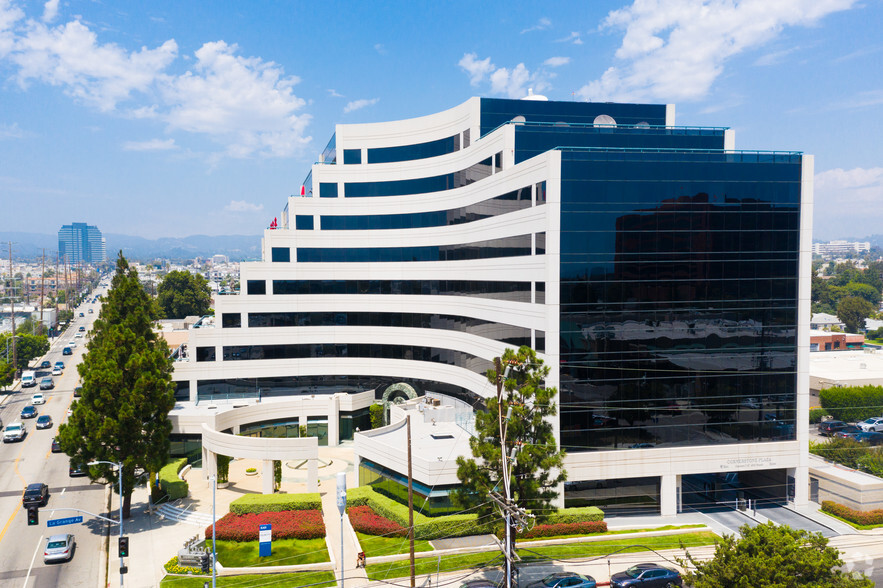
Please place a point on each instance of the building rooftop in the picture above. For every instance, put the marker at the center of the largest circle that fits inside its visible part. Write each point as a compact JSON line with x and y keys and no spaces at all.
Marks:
{"x":847,"y":367}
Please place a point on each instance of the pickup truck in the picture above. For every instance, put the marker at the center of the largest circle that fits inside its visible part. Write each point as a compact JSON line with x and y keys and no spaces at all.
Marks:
{"x":14,"y":432}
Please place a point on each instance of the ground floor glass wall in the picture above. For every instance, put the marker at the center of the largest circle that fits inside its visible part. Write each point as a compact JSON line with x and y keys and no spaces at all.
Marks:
{"x":429,"y":500}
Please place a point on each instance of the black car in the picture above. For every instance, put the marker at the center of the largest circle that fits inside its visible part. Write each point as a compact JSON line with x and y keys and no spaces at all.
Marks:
{"x":44,"y":421}
{"x":869,"y":437}
{"x":56,"y":448}
{"x":564,"y":580}
{"x":847,"y":431}
{"x":76,"y":472}
{"x":67,"y":351}
{"x":45,"y":364}
{"x":646,"y":575}
{"x":828,"y":428}
{"x":77,"y":391}
{"x":82,"y":329}
{"x":35,"y":495}
{"x":28,"y":412}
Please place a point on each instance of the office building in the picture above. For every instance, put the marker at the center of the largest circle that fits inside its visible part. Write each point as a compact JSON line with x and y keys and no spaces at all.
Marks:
{"x":81,"y":244}
{"x":662,"y":274}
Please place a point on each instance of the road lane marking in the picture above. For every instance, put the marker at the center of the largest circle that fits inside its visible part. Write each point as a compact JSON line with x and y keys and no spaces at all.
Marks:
{"x":9,"y":522}
{"x":28,"y":577}
{"x":62,"y":492}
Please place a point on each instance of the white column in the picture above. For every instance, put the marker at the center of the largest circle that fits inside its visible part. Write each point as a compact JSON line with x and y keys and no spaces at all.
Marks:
{"x":668,"y":494}
{"x":334,"y":421}
{"x":193,"y":383}
{"x":312,"y":475}
{"x":268,"y":476}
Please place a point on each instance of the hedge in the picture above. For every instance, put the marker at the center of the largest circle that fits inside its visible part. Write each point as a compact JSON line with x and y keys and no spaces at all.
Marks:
{"x":582,"y":528}
{"x":859,"y":517}
{"x":254,"y":503}
{"x":816,"y":414}
{"x":853,"y":403}
{"x":459,"y":525}
{"x":365,"y":520}
{"x":170,"y":483}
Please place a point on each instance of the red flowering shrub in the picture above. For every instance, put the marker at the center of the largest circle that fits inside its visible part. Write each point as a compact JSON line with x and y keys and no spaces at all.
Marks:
{"x":584,"y":528}
{"x":365,"y":520}
{"x":859,"y":517}
{"x":287,"y":524}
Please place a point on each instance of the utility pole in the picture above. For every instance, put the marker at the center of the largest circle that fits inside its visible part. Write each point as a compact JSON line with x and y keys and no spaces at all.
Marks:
{"x":410,"y":504}
{"x":42,"y":292}
{"x":12,"y":312}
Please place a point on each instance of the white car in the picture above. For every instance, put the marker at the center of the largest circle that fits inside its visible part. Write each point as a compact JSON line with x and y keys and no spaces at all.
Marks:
{"x":79,"y":335}
{"x":38,"y":399}
{"x":72,"y":344}
{"x":57,"y":371}
{"x":872,"y":424}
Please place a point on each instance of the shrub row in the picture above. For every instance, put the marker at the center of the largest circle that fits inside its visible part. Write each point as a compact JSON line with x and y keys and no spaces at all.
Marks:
{"x":859,"y":517}
{"x":255,"y":503}
{"x":365,"y":520}
{"x":172,"y":567}
{"x":459,"y":525}
{"x":290,"y":524}
{"x":170,"y":483}
{"x":583,"y":528}
{"x":816,"y":414}
{"x":853,"y":403}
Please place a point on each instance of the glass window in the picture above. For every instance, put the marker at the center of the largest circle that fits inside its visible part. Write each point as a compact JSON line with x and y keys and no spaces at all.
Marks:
{"x":327,"y":190}
{"x":231,"y":320}
{"x":205,"y":354}
{"x":329,"y":154}
{"x":414,"y":152}
{"x":352,"y":156}
{"x":256,"y":287}
{"x":303,"y":222}
{"x":504,"y":247}
{"x":281,"y":254}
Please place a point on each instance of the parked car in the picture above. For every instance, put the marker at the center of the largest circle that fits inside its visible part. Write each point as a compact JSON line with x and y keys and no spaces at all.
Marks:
{"x":646,"y":575}
{"x":78,"y":391}
{"x":38,"y":399}
{"x":28,"y":412}
{"x":847,"y":431}
{"x":828,"y":428}
{"x":564,"y":580}
{"x":76,"y":472}
{"x":47,"y":383}
{"x":872,"y":424}
{"x":44,"y":421}
{"x":56,"y":447}
{"x":869,"y":437}
{"x":36,"y":494}
{"x":59,"y":548}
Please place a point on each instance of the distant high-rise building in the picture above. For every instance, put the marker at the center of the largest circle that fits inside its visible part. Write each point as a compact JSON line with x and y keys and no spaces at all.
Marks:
{"x":81,"y":243}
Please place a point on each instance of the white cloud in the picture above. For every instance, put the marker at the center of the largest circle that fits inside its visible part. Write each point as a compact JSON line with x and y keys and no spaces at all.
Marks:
{"x":334,"y":94}
{"x":477,"y":69}
{"x":12,"y":131}
{"x":839,"y":193}
{"x":359,"y":104}
{"x":514,"y":82}
{"x":380,"y":48}
{"x":511,"y":83}
{"x":152,"y":145}
{"x":244,"y":104}
{"x":243,"y":206}
{"x":556,"y":61}
{"x":774,"y":58}
{"x":50,"y":10}
{"x":863,"y":99}
{"x":573,"y":37}
{"x":543,"y":24}
{"x":675,"y":49}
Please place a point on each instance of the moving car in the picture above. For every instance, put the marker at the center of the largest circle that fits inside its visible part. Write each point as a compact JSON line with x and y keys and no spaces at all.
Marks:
{"x":57,"y":371}
{"x":56,"y":448}
{"x":564,"y":580}
{"x":828,"y":428}
{"x":14,"y":432}
{"x":75,"y":472}
{"x":59,"y":364}
{"x":44,"y":421}
{"x":646,"y":575}
{"x":79,"y":335}
{"x":67,"y":351}
{"x":72,"y":344}
{"x":45,"y":364}
{"x":59,"y":548}
{"x":28,"y":412}
{"x":872,"y":424}
{"x":90,"y":310}
{"x":78,"y":391}
{"x":36,"y":494}
{"x":82,"y":329}
{"x":47,"y":383}
{"x":38,"y":399}
{"x":28,"y":380}
{"x":81,"y":314}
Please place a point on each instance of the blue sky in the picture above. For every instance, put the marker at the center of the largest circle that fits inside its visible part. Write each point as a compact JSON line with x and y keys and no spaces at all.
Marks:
{"x":169,"y":118}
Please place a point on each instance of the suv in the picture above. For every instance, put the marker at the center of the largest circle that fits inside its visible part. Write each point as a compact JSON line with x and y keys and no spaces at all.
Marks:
{"x":872,"y":424}
{"x":828,"y":428}
{"x":14,"y":432}
{"x":35,"y":495}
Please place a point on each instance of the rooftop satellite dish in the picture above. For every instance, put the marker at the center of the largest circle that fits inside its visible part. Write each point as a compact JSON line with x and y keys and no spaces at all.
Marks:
{"x":643,"y":124}
{"x":519,"y":120}
{"x":532,"y":96}
{"x":604,"y":120}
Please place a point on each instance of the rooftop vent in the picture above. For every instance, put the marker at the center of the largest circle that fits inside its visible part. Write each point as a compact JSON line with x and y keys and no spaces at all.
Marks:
{"x":441,"y":436}
{"x":604,"y":120}
{"x":532,"y":96}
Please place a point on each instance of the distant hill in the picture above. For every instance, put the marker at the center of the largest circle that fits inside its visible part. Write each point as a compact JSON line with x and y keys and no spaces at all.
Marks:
{"x":29,"y":246}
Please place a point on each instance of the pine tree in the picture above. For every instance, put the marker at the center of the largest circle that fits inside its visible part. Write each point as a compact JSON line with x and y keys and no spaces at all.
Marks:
{"x":538,"y":464}
{"x":123,"y":413}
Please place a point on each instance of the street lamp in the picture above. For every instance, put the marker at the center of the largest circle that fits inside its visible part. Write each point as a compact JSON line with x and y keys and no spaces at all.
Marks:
{"x":120,"y":476}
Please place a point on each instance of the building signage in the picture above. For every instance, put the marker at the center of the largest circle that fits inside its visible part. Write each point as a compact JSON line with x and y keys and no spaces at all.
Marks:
{"x":265,"y":540}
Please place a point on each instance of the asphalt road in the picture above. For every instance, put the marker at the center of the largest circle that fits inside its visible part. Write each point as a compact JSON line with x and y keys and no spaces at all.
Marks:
{"x":29,"y":461}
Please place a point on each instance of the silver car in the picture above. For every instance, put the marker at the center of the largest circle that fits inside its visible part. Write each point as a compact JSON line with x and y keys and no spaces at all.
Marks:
{"x":872,"y":424}
{"x":59,"y":548}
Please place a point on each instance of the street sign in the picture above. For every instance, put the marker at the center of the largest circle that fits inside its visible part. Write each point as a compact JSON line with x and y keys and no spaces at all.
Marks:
{"x":265,"y":539}
{"x":64,"y":521}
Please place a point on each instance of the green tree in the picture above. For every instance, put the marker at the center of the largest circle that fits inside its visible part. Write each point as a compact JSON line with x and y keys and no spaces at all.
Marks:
{"x":772,"y":556}
{"x":862,"y":290}
{"x":853,"y":311}
{"x":183,"y":294}
{"x":27,"y":347}
{"x":538,"y":467}
{"x":123,"y":413}
{"x":376,"y":413}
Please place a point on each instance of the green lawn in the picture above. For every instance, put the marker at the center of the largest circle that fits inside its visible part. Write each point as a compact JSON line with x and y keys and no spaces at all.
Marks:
{"x":312,"y":579}
{"x":617,"y":532}
{"x":450,"y":563}
{"x":376,"y":546}
{"x":286,"y":552}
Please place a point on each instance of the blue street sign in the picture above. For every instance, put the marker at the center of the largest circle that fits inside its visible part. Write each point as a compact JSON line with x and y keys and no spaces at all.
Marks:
{"x":265,"y":540}
{"x":64,"y":521}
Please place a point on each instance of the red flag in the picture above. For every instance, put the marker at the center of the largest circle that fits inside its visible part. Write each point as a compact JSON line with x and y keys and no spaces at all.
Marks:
{"x":303,"y":190}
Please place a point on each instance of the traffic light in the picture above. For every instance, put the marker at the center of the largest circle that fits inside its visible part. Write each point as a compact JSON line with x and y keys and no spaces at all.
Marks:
{"x":124,"y":547}
{"x":206,"y":563}
{"x":33,"y":515}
